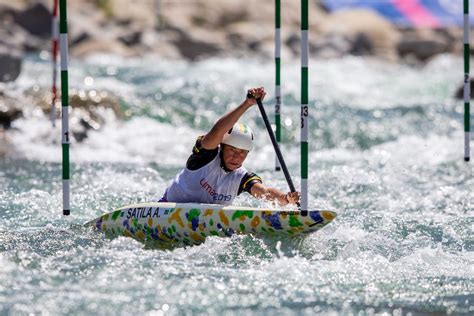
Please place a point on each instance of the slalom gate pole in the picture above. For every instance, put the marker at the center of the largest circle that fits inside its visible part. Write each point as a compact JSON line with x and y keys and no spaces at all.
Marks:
{"x":275,"y":145}
{"x":467,"y":84}
{"x":304,"y":107}
{"x":277,"y":77}
{"x":64,"y":103}
{"x":54,"y":59}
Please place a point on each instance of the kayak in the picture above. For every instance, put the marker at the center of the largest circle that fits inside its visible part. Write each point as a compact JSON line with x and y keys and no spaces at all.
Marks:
{"x":169,"y":225}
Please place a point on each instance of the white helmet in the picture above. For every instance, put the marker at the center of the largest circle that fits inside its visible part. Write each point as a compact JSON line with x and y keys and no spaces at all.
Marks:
{"x":239,"y":136}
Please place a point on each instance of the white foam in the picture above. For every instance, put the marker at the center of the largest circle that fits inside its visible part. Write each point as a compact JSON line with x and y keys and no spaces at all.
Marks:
{"x":139,"y":140}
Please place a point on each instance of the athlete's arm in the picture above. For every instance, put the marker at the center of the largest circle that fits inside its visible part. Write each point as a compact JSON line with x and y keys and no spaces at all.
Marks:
{"x":259,"y":190}
{"x":214,"y":137}
{"x":200,"y":156}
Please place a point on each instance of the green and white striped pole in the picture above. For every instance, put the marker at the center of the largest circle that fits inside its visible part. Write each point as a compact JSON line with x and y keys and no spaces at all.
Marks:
{"x":467,"y":87}
{"x":63,"y":40}
{"x":304,"y":107}
{"x":277,"y":77}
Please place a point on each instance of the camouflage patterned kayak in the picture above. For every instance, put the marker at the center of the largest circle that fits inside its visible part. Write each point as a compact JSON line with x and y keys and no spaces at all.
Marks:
{"x":167,"y":225}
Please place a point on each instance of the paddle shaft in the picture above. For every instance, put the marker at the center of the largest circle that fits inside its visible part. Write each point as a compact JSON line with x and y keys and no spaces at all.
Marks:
{"x":275,"y":146}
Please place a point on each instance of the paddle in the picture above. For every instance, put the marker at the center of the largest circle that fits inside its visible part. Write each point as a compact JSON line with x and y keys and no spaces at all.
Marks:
{"x":275,"y":145}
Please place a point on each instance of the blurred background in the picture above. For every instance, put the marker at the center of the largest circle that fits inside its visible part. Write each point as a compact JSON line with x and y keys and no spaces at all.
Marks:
{"x":411,"y":32}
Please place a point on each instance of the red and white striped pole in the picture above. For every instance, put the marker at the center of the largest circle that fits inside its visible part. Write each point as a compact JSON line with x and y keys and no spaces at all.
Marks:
{"x":54,"y":59}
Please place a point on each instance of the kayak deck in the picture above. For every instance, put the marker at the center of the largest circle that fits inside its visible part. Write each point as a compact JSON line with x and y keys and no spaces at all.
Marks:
{"x":165,"y":225}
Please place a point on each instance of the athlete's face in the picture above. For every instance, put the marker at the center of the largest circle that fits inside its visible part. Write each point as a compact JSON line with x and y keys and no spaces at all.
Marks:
{"x":233,"y":157}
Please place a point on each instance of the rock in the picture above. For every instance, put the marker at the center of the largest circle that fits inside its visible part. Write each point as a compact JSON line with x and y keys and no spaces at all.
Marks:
{"x":422,"y":49}
{"x":106,"y":29}
{"x":5,"y":145}
{"x":131,"y":39}
{"x":367,"y":31}
{"x":8,"y":111}
{"x":192,"y":48}
{"x":140,"y":12}
{"x":79,"y":38}
{"x":92,"y":100}
{"x":8,"y":116}
{"x":422,"y":44}
{"x":7,"y":15}
{"x":244,"y":36}
{"x":158,"y":44}
{"x":460,"y":91}
{"x":294,"y":43}
{"x":201,"y":28}
{"x":8,"y":5}
{"x":87,"y":109}
{"x":328,"y":46}
{"x":95,"y":45}
{"x":232,"y":16}
{"x":10,"y":65}
{"x":453,"y":37}
{"x":13,"y":36}
{"x":36,"y":20}
{"x":362,"y":45}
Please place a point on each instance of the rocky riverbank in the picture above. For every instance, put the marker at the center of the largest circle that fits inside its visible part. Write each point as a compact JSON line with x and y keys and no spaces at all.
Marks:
{"x":199,"y":29}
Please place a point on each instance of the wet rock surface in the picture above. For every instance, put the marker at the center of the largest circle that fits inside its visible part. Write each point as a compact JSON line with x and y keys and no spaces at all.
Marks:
{"x":10,"y":64}
{"x":200,"y":29}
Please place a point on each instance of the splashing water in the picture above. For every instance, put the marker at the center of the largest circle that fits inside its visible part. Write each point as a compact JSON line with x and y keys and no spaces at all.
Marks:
{"x":385,"y":153}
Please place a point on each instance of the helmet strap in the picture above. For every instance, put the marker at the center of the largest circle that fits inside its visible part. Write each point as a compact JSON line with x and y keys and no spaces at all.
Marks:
{"x":221,"y":156}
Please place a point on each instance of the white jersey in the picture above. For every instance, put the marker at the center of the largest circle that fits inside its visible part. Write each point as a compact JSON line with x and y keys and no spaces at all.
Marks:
{"x":208,"y":184}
